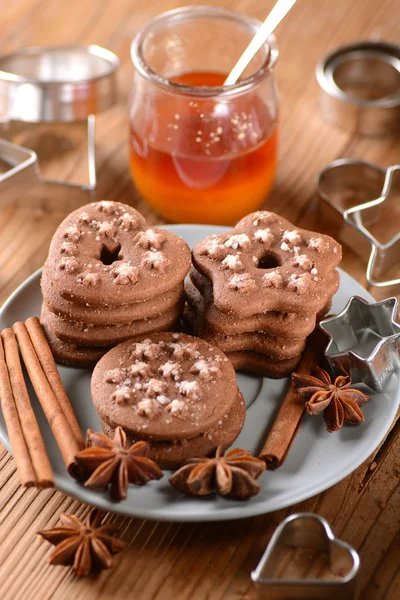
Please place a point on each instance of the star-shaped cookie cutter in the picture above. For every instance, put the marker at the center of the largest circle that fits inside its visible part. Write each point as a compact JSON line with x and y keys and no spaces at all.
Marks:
{"x":379,"y":252}
{"x":307,"y":530}
{"x":365,"y":341}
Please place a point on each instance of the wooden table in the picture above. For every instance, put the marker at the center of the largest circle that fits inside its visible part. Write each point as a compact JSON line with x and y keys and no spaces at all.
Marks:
{"x":207,"y":560}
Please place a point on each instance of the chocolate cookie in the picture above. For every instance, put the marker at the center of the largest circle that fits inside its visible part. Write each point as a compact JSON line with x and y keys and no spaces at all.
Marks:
{"x":84,"y":334}
{"x":291,"y":325}
{"x":171,"y":455}
{"x":168,"y":386}
{"x":271,"y":346}
{"x":261,"y":365}
{"x":104,"y":254}
{"x":71,"y":355}
{"x":172,"y":389}
{"x":100,"y":315}
{"x":266,"y":264}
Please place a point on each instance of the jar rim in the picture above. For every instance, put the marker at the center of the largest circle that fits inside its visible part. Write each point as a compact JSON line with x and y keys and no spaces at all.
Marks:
{"x":184,"y":13}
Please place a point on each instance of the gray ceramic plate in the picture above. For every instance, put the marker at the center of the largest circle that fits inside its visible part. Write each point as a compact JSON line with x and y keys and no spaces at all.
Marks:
{"x":317,"y":459}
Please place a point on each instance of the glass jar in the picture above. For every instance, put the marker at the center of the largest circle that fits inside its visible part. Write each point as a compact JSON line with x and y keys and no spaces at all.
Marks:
{"x":202,"y":152}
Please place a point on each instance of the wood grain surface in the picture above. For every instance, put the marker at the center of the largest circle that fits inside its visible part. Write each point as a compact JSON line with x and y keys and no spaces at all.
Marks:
{"x":197,"y":561}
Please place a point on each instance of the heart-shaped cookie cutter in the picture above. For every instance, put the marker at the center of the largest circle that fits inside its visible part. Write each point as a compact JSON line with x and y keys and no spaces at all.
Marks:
{"x":307,"y":530}
{"x":364,"y":341}
{"x":353,"y":193}
{"x":51,"y":84}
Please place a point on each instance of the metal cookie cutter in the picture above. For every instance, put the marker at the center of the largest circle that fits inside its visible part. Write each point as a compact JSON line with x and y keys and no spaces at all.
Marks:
{"x":51,"y":84}
{"x":354,"y":195}
{"x":306,"y":530}
{"x":360,"y":86}
{"x":384,"y":253}
{"x":365,"y":341}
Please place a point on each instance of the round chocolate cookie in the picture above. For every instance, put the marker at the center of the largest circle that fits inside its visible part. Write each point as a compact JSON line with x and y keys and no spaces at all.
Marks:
{"x":165,"y":388}
{"x":68,"y":354}
{"x":170,"y":455}
{"x":100,"y":315}
{"x":84,"y":334}
{"x":104,"y":254}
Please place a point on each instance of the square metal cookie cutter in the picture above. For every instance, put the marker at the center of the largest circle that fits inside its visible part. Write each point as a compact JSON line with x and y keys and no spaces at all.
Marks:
{"x":353,"y":193}
{"x":364,"y":341}
{"x":307,"y":530}
{"x":51,"y":84}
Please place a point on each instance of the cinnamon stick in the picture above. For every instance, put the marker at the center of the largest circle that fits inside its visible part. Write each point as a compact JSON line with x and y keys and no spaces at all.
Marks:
{"x":288,"y":420}
{"x":46,"y":358}
{"x":21,"y":454}
{"x":28,"y":423}
{"x":54,"y":414}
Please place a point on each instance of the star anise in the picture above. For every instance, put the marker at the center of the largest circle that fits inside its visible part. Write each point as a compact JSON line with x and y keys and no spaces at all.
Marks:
{"x":109,"y":462}
{"x":233,"y":474}
{"x":340,"y":403}
{"x":87,"y":546}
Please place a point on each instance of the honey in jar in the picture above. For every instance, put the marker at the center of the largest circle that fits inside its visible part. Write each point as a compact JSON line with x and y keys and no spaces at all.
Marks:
{"x":199,"y":152}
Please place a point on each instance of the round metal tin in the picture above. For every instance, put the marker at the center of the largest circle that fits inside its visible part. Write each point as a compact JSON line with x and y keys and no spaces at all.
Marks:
{"x":360,"y":86}
{"x":57,"y":83}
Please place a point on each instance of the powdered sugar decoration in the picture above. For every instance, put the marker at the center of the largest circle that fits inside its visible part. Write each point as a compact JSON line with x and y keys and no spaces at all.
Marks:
{"x":303,"y":261}
{"x":272,"y":279}
{"x":68,"y":264}
{"x":298,"y":283}
{"x":316,"y":243}
{"x":191,"y":389}
{"x":115,"y":376}
{"x":285,"y":247}
{"x":105,"y":229}
{"x":205,"y":370}
{"x":145,"y":350}
{"x":262,"y":217}
{"x":214,"y":249}
{"x":155,"y":387}
{"x":87,"y":278}
{"x":127,"y":222}
{"x":242,"y":282}
{"x":73,"y":233}
{"x":182,"y":350}
{"x":68,"y":248}
{"x":150,"y":239}
{"x":162,"y":399}
{"x":155,"y":260}
{"x":292,"y":237}
{"x":232,"y":262}
{"x":138,"y":369}
{"x":241,"y":240}
{"x":83,"y":218}
{"x":122,"y":395}
{"x":177,"y":407}
{"x":146,"y":407}
{"x":170,"y":370}
{"x":107,"y":207}
{"x":125,"y":274}
{"x":264,"y":236}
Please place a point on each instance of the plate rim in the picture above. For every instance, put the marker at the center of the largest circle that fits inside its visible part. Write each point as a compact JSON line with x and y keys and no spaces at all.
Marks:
{"x":240,"y":511}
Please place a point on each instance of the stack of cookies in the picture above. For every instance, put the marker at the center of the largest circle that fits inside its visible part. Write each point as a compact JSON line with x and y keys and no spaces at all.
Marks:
{"x":172,"y":390}
{"x":257,"y":291}
{"x":109,"y":277}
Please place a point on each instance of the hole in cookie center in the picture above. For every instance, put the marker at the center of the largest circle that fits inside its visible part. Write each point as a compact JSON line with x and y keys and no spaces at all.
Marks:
{"x":268,"y":261}
{"x":110,"y":255}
